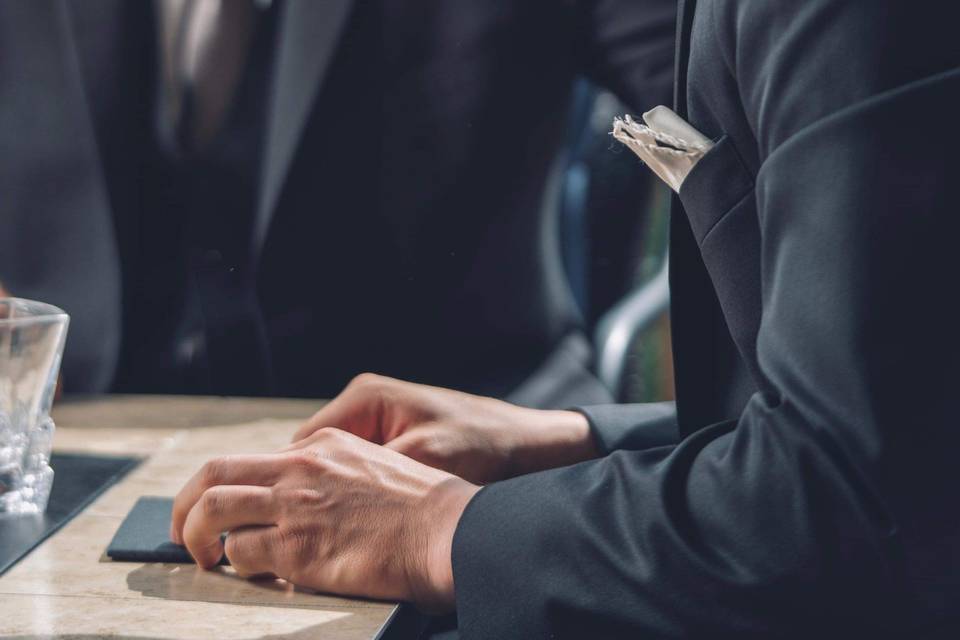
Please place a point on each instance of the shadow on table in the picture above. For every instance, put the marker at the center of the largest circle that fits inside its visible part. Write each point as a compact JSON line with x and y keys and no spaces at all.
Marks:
{"x":190,"y":583}
{"x":221,"y":585}
{"x":187,"y":582}
{"x":308,"y":633}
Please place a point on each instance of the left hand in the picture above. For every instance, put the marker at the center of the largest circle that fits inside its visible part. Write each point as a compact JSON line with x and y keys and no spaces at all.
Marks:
{"x":479,"y":439}
{"x":332,"y":512}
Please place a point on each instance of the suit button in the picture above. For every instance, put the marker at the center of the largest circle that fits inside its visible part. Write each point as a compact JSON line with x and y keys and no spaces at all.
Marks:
{"x":212,"y":257}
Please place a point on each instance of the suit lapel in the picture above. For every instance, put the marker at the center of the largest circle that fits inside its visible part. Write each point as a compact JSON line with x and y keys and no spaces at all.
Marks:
{"x":685,"y":10}
{"x":308,"y":35}
{"x":693,"y":301}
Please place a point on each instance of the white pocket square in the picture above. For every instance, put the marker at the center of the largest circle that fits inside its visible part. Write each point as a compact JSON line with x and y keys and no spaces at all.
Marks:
{"x":666,"y":143}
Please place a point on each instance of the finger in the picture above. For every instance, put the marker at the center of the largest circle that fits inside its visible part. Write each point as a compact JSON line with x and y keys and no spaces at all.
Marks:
{"x":317,"y":437}
{"x":351,"y":411}
{"x":425,"y":448}
{"x":358,"y":409}
{"x":410,"y":444}
{"x":224,"y":508}
{"x":254,"y":470}
{"x":252,"y":550}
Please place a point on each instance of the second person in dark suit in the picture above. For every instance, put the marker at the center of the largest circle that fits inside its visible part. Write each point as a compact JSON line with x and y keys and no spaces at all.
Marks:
{"x":268,"y":198}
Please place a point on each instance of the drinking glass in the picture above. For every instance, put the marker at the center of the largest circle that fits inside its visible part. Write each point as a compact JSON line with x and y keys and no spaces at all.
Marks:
{"x":32,"y":335}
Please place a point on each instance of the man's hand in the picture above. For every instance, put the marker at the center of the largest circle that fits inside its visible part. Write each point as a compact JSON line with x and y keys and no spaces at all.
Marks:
{"x":480,"y":439}
{"x":334,"y":513}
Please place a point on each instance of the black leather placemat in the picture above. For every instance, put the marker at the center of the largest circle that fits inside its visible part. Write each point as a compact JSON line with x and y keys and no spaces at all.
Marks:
{"x":144,"y":535}
{"x":78,"y":479}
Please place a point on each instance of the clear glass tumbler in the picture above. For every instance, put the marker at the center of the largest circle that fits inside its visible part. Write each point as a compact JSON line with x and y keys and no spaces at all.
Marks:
{"x":32,"y":335}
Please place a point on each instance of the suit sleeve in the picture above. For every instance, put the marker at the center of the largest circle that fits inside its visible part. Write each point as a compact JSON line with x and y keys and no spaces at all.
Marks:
{"x":632,"y":426}
{"x":827,"y":509}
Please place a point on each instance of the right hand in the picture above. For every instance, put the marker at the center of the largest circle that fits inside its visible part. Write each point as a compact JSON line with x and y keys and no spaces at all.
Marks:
{"x":479,"y":439}
{"x":337,"y":514}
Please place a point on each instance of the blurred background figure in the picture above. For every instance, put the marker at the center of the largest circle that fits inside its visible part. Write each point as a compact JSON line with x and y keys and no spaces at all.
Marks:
{"x":267,"y":198}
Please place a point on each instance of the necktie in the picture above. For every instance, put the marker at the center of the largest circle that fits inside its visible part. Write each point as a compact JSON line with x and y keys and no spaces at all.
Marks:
{"x":205,"y":45}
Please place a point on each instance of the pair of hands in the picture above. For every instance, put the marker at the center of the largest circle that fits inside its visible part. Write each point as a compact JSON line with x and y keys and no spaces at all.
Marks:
{"x":366,"y":500}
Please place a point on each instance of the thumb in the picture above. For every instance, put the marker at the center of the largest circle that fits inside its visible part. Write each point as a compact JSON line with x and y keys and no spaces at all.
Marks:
{"x":408,"y":443}
{"x":355,"y":410}
{"x":419,"y":445}
{"x":439,"y":448}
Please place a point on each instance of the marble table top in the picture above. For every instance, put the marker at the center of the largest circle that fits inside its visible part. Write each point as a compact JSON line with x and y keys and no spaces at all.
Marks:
{"x":68,"y":588}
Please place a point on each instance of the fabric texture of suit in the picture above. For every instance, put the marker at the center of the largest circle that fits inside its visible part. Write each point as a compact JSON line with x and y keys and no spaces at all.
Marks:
{"x":813,"y":492}
{"x":400,"y":223}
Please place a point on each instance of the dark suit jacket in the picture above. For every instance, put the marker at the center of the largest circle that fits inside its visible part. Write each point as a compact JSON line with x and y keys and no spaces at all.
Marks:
{"x":400,"y":226}
{"x":813,"y":493}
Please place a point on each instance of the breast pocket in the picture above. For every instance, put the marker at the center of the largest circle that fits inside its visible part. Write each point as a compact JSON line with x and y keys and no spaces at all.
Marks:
{"x":719,"y":201}
{"x":714,"y":187}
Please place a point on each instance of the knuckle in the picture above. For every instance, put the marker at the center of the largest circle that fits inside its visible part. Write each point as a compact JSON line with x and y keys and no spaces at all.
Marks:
{"x":302,"y":496}
{"x":234,"y":547}
{"x":365,"y":379}
{"x":303,"y":460}
{"x":324,"y":433}
{"x":295,"y":549}
{"x":212,"y":503}
{"x":214,"y":470}
{"x":330,"y":435}
{"x":336,"y":435}
{"x":244,"y":553}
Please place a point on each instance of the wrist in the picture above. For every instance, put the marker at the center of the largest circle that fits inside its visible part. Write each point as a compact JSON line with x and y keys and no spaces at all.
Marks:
{"x":553,"y":439}
{"x":443,"y":507}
